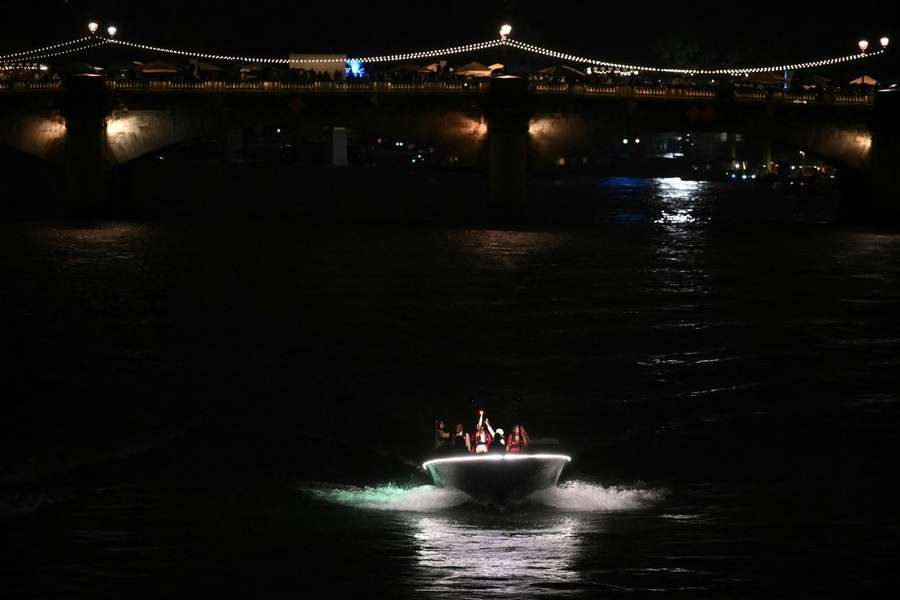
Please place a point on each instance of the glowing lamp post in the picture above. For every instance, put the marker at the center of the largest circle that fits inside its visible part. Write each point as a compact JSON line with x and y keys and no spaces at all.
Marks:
{"x":885,"y":41}
{"x":112,"y":31}
{"x":505,"y":31}
{"x":93,"y":27}
{"x":863,"y":45}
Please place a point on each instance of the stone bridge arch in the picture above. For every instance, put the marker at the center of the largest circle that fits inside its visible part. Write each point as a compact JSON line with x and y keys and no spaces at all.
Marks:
{"x":845,"y":141}
{"x":39,"y":134}
{"x":137,"y":129}
{"x":89,"y":127}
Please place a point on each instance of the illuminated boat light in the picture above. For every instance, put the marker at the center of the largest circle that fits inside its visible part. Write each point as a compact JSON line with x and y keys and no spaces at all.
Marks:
{"x":496,"y":457}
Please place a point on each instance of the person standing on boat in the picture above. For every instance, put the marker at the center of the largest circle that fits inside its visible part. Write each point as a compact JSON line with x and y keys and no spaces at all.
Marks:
{"x":496,"y":436}
{"x":441,"y":436}
{"x":462,"y":443}
{"x":482,"y":439}
{"x":499,"y":445}
{"x":517,"y":440}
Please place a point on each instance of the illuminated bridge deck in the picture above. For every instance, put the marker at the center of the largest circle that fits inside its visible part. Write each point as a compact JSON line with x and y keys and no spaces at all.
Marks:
{"x":477,"y":87}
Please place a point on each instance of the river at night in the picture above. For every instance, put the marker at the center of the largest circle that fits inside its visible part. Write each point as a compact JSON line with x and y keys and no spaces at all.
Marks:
{"x":243,"y":405}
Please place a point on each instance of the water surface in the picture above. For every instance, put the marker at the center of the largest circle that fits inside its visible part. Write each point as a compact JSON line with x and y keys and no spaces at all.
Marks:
{"x":243,"y":405}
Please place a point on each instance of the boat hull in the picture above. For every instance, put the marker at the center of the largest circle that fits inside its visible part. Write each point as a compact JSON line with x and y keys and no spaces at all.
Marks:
{"x":497,"y":479}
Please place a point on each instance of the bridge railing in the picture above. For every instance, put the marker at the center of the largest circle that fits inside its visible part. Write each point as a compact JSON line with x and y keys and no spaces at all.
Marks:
{"x":649,"y":92}
{"x":252,"y":87}
{"x":868,"y":99}
{"x":751,"y":95}
{"x":808,"y":98}
{"x":801,"y":98}
{"x":604,"y":90}
{"x":26,"y":86}
{"x":691,"y":93}
{"x":629,"y":91}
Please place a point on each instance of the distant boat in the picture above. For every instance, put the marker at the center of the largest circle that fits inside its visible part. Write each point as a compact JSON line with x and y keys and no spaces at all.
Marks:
{"x":497,"y":479}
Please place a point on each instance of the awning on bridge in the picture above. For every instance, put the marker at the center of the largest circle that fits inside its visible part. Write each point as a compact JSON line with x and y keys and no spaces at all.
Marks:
{"x":864,"y":80}
{"x":158,"y":67}
{"x":474,"y":69}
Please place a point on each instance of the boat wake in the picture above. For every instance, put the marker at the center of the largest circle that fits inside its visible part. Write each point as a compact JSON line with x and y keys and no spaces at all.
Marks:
{"x":390,"y":497}
{"x":573,"y":496}
{"x":579,"y":496}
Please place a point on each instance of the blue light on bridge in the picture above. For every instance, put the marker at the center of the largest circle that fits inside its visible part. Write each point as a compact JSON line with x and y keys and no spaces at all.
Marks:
{"x":355,"y":68}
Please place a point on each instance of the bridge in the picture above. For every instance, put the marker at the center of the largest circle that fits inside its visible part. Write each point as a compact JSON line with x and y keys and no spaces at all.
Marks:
{"x":446,"y":87}
{"x":88,"y":126}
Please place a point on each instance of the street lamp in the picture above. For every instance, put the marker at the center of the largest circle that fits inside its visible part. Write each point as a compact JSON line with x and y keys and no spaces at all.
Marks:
{"x":93,"y":27}
{"x":885,"y":41}
{"x":505,"y":31}
{"x":112,"y":31}
{"x":863,"y":45}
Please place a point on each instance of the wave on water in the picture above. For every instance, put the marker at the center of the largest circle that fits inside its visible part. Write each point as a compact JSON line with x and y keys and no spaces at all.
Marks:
{"x":573,"y":496}
{"x":12,"y":507}
{"x":390,"y":497}
{"x":579,"y":496}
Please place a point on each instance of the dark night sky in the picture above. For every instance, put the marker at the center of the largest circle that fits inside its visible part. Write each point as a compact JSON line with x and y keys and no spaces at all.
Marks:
{"x":626,"y":31}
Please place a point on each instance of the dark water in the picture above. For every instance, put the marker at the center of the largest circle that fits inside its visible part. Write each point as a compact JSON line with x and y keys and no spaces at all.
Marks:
{"x":198,"y":407}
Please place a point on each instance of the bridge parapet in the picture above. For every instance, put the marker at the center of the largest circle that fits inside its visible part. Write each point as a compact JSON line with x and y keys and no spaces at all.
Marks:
{"x":702,"y":94}
{"x":868,"y":99}
{"x":541,"y":88}
{"x":278,"y":87}
{"x":30,"y":86}
{"x":751,"y":95}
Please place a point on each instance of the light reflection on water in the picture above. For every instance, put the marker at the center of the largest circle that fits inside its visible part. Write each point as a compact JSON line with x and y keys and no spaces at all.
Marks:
{"x":498,"y":559}
{"x":100,"y":244}
{"x":508,"y":250}
{"x":677,"y":198}
{"x":534,"y":546}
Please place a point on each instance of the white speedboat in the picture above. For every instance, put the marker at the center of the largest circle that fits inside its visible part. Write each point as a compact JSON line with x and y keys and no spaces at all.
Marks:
{"x":497,"y":479}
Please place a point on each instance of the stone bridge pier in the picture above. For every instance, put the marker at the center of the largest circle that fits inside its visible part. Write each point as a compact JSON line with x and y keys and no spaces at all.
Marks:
{"x":882,"y":176}
{"x":509,"y":114}
{"x":85,"y":109}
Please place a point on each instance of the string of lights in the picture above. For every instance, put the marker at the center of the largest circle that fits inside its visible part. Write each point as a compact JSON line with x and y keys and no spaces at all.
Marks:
{"x":682,"y":71}
{"x":94,"y":40}
{"x":203,"y":55}
{"x":433,"y":53}
{"x":22,"y":67}
{"x":28,"y":53}
{"x":91,"y":43}
{"x":267,"y":60}
{"x":523,"y":46}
